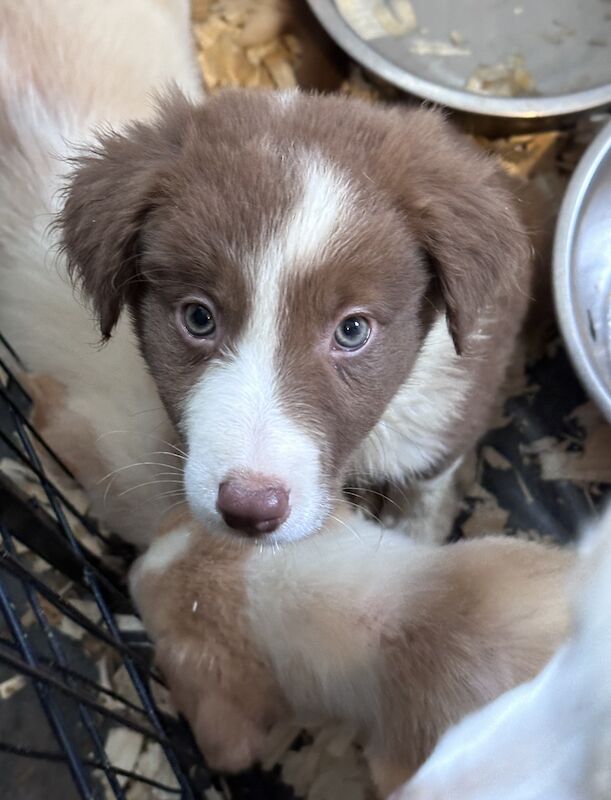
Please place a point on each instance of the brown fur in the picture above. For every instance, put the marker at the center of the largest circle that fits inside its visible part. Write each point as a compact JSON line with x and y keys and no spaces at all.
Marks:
{"x":63,"y":430}
{"x":166,"y":211}
{"x":219,"y":682}
{"x":466,"y":623}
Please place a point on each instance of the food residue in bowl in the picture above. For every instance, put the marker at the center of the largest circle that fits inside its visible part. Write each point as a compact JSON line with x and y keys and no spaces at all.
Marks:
{"x":508,"y":79}
{"x":375,"y":20}
{"x":433,"y":47}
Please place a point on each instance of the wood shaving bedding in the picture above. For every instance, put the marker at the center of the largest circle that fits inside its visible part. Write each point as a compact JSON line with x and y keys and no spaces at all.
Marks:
{"x":11,"y":686}
{"x":245,"y":43}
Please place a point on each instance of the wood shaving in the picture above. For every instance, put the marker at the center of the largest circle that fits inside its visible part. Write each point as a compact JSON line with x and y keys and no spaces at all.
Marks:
{"x":526,"y":155}
{"x":327,"y":769}
{"x":244,"y":43}
{"x":122,"y":684}
{"x":123,"y":747}
{"x":486,"y":517}
{"x":280,"y":740}
{"x":152,"y":764}
{"x":163,"y":699}
{"x":88,"y":608}
{"x":589,"y":463}
{"x":495,"y":459}
{"x":71,"y":629}
{"x":128,"y":623}
{"x":11,"y":686}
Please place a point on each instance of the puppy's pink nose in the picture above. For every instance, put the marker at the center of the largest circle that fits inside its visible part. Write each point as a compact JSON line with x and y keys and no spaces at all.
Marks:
{"x":253,"y":504}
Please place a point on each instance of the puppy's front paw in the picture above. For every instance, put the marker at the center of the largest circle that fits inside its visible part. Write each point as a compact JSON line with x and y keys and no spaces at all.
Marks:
{"x":230,"y":701}
{"x":229,"y":739}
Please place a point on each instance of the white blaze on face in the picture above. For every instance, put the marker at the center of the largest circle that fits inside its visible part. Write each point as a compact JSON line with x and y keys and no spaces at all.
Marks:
{"x":234,"y":420}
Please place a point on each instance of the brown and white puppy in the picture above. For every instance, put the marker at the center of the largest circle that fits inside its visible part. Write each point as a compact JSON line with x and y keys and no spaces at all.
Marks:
{"x":325,"y":291}
{"x":550,"y":738}
{"x":355,"y":624}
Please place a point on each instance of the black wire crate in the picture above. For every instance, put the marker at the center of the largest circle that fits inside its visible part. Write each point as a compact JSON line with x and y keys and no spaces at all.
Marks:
{"x":82,"y":711}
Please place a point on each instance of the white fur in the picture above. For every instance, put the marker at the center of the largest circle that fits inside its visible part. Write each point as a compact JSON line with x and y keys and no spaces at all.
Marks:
{"x":354,"y":569}
{"x":424,"y":511}
{"x":165,"y":550}
{"x":411,"y":436}
{"x":286,"y":98}
{"x":549,"y":739}
{"x":234,"y":419}
{"x":66,"y":67}
{"x":234,"y":422}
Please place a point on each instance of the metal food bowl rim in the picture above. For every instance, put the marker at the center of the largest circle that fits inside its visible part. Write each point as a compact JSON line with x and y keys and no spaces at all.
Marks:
{"x":564,"y":243}
{"x":518,"y":108}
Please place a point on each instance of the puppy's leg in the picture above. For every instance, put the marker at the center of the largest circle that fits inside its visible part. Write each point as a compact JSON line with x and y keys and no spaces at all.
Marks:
{"x":188,"y":588}
{"x":231,"y":704}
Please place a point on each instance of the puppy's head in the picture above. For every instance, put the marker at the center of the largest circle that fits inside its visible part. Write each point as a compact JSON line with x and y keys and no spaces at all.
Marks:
{"x":282,"y":256}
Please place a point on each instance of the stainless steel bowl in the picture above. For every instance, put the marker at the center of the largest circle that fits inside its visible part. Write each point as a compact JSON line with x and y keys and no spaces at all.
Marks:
{"x":560,"y":50}
{"x":582,"y":269}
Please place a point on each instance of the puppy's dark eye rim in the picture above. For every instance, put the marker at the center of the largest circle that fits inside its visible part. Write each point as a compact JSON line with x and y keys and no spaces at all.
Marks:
{"x":352,"y":332}
{"x":198,"y":319}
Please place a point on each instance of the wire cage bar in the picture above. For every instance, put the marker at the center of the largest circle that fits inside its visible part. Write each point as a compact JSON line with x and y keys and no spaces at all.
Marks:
{"x":66,"y":627}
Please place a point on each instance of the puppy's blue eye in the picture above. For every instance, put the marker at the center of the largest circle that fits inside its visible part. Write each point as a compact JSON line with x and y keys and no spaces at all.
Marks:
{"x":352,"y":333}
{"x":199,"y":320}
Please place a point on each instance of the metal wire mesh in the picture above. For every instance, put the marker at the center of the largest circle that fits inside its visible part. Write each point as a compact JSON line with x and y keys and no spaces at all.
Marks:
{"x":65,"y":616}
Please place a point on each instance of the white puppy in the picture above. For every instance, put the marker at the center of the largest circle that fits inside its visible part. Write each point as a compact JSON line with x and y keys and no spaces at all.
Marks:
{"x":66,"y":68}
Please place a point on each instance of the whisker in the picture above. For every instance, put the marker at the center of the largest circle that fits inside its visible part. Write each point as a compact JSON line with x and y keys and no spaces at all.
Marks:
{"x":113,"y":475}
{"x":171,"y":493}
{"x":167,"y":453}
{"x":372,"y":491}
{"x":357,"y":507}
{"x":139,"y":464}
{"x":180,"y":502}
{"x":142,"y":433}
{"x":145,"y":411}
{"x":349,"y":527}
{"x":147,"y":483}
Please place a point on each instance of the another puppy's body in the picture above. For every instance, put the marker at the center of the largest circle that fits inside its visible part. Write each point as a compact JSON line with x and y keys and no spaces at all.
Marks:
{"x":398,"y":639}
{"x":549,"y":739}
{"x":66,"y":68}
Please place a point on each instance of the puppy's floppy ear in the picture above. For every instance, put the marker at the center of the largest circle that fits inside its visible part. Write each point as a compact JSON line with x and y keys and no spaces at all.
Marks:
{"x":113,"y":187}
{"x":457,"y":200}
